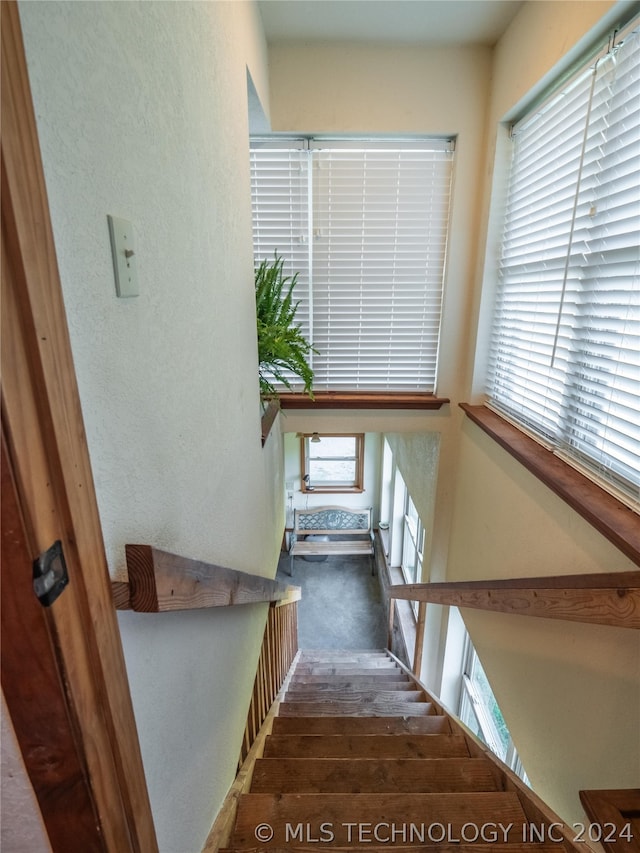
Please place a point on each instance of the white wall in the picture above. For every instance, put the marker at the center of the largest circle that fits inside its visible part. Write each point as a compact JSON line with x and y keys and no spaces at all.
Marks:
{"x":569,"y":692}
{"x":142,"y":113}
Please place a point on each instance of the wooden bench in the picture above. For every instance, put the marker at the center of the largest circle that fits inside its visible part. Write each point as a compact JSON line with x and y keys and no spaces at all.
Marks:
{"x":350,"y":529}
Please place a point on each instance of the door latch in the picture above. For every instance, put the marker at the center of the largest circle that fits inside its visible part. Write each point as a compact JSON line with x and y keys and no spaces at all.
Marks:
{"x":50,"y":574}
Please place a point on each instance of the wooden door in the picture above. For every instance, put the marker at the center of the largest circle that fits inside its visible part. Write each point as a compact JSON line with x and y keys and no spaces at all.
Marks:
{"x":76,"y":661}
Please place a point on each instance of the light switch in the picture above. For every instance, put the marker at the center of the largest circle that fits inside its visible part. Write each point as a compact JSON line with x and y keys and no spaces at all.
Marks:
{"x":124,"y":259}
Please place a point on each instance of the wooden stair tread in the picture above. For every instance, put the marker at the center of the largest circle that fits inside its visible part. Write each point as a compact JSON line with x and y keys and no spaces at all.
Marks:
{"x":431,"y":724}
{"x":371,"y":775}
{"x":345,"y":669}
{"x":346,"y":685}
{"x":364,"y":697}
{"x":446,"y":813}
{"x":355,"y":746}
{"x":333,"y":708}
{"x":341,"y":654}
{"x":366,"y":746}
{"x":376,"y":675}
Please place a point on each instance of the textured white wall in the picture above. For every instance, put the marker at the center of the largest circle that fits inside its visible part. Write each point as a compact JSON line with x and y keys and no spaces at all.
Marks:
{"x":559,"y":684}
{"x":142,"y":113}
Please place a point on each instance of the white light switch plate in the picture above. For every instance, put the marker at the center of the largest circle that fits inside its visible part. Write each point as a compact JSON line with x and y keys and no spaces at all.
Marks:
{"x":124,"y":259}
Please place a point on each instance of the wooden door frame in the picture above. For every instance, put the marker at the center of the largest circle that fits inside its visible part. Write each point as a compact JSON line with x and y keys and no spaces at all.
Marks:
{"x":48,"y":461}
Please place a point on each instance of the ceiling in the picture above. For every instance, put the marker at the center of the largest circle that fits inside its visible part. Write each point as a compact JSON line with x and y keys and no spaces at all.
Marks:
{"x":393,"y":21}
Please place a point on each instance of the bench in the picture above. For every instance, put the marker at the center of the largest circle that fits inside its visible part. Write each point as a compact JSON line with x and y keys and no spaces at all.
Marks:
{"x":350,"y":529}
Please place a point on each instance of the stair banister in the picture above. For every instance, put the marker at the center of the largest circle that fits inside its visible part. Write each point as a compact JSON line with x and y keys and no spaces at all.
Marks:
{"x":161,"y":581}
{"x":602,"y":599}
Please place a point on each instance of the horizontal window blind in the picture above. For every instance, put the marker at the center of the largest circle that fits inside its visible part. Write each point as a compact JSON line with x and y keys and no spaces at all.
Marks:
{"x":565,"y":353}
{"x":375,"y":223}
{"x":280,"y":205}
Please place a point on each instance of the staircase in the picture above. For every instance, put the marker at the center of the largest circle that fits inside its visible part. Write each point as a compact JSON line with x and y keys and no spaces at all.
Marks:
{"x":360,"y":757}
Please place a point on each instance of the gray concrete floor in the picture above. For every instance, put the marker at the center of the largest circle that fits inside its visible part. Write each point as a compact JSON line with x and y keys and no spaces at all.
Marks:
{"x":341,"y":605}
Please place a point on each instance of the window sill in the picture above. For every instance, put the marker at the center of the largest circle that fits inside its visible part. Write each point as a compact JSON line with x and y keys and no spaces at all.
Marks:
{"x":323,"y":490}
{"x":362,"y":400}
{"x":609,"y":516}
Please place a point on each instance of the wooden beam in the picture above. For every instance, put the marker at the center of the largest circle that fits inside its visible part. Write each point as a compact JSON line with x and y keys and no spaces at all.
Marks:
{"x":603,"y":599}
{"x":361,"y":400}
{"x":43,"y":717}
{"x":615,"y":816}
{"x":160,"y":581}
{"x":420,"y":625}
{"x":292,"y":593}
{"x":42,"y":422}
{"x":616,"y":521}
{"x":121,"y":595}
{"x":268,"y":419}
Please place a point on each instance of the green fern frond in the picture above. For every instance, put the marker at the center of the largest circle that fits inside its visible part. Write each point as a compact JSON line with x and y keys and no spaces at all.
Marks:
{"x":281,"y":344}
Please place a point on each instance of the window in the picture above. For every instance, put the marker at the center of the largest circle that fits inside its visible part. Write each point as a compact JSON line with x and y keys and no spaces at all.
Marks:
{"x":332,"y":463}
{"x":412,"y":543}
{"x":565,"y":352}
{"x":480,"y":712}
{"x":364,"y":224}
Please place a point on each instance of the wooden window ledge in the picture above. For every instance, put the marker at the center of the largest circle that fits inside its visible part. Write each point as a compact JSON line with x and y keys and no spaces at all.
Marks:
{"x":618,"y":522}
{"x":362,"y":400}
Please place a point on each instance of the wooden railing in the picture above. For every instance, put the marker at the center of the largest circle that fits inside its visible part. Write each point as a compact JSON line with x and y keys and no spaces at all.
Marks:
{"x":602,"y":599}
{"x":161,"y":581}
{"x":278,"y":652}
{"x":279,"y":647}
{"x":269,"y":416}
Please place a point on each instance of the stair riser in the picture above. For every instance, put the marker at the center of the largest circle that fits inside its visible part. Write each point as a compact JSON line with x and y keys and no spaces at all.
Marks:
{"x":337,"y":708}
{"x":347,"y":686}
{"x":351,"y":669}
{"x":366,"y":746}
{"x":393,"y":819}
{"x":375,"y":676}
{"x":354,"y":776}
{"x":354,"y":697}
{"x":431,"y":724}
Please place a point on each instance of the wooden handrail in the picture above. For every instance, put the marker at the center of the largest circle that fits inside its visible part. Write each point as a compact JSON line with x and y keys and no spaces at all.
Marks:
{"x":603,"y":599}
{"x":268,"y":419}
{"x":160,"y":581}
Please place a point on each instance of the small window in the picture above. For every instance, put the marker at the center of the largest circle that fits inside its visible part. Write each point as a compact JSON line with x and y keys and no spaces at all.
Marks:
{"x":332,"y":463}
{"x":480,"y":712}
{"x":412,"y":544}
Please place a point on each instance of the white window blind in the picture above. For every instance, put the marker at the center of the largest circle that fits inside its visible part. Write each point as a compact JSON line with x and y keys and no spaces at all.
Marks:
{"x":280,"y":204}
{"x":565,"y":354}
{"x":376,"y":256}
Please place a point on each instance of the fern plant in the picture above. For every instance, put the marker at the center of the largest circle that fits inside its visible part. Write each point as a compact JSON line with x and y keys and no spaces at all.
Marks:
{"x":282,"y":348}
